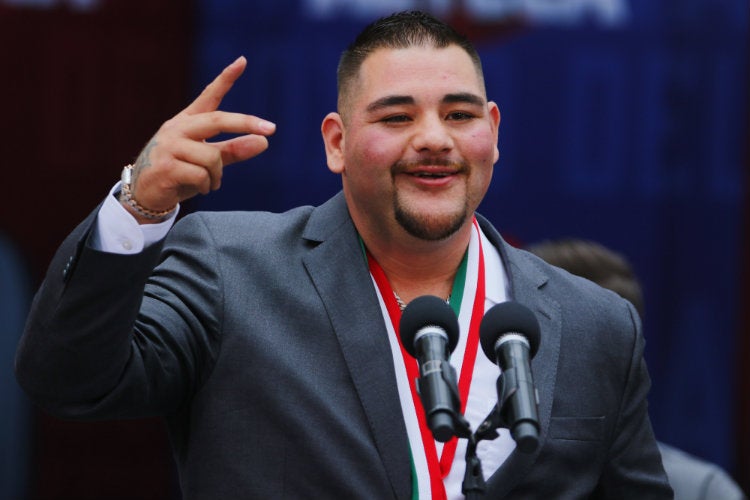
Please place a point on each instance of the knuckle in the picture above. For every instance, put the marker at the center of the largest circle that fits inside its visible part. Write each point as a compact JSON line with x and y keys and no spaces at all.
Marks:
{"x":165,"y":163}
{"x":170,"y":124}
{"x":202,"y":181}
{"x":215,"y":118}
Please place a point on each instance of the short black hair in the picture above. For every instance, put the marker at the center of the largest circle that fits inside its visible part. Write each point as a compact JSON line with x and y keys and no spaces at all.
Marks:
{"x":397,"y":31}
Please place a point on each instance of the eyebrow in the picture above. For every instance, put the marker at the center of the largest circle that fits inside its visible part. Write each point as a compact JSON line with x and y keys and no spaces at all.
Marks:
{"x":400,"y":100}
{"x":463,"y":97}
{"x":391,"y":100}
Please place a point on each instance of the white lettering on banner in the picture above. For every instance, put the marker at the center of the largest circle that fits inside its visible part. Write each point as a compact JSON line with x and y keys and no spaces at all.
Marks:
{"x":493,"y":10}
{"x":357,"y":8}
{"x":606,"y":12}
{"x":551,"y":12}
{"x":81,"y":5}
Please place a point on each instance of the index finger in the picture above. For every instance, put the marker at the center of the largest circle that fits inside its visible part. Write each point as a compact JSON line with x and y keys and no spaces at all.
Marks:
{"x":210,"y":98}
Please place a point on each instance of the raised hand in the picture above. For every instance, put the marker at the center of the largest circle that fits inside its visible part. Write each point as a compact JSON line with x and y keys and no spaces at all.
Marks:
{"x":178,"y":162}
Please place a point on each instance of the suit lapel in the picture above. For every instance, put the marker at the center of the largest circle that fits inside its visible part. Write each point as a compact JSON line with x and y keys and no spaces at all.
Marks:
{"x":526,"y":284}
{"x":340,"y":274}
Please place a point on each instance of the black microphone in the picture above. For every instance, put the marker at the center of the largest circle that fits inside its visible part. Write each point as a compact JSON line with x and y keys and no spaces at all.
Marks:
{"x":429,"y":332}
{"x":510,"y":337}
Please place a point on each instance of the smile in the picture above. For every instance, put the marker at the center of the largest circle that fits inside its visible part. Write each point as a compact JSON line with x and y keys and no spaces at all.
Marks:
{"x":432,"y":175}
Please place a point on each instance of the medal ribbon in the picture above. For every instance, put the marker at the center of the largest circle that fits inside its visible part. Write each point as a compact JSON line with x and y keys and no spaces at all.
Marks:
{"x":439,"y":467}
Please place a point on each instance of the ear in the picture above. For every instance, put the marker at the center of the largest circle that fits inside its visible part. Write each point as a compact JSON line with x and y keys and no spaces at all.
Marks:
{"x":494,"y":113}
{"x":333,"y":138}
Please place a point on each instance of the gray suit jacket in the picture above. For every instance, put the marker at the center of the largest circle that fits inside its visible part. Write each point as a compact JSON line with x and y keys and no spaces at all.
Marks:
{"x":260,"y":339}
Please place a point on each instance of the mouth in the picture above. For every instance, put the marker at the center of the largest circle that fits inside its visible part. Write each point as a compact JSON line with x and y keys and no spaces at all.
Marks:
{"x":433,"y":169}
{"x":431,"y":175}
{"x":432,"y":178}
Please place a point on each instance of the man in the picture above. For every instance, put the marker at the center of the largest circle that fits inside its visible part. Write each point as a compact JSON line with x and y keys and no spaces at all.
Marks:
{"x":269,"y":342}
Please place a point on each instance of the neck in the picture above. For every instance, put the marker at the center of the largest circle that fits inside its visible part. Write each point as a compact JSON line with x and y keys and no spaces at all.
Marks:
{"x":416,"y":267}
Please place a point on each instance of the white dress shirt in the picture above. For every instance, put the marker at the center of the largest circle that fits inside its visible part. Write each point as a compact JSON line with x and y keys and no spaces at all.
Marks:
{"x":482,"y":392}
{"x":117,"y":231}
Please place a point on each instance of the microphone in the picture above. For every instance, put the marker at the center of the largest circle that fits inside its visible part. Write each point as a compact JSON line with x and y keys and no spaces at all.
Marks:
{"x":509,"y":334}
{"x":429,"y":333}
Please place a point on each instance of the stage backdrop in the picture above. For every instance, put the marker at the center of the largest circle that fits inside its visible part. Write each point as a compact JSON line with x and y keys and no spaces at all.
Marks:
{"x":622,"y":121}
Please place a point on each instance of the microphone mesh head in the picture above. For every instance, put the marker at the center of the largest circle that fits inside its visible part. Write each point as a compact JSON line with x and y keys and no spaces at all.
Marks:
{"x":508,"y":317}
{"x":427,"y":310}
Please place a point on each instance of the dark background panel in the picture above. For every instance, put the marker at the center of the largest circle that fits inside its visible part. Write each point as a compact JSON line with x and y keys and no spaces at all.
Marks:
{"x":83,"y":89}
{"x":623,"y":121}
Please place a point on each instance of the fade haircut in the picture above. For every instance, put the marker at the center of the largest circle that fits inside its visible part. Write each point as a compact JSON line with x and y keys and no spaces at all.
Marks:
{"x":398,"y":31}
{"x":595,"y":262}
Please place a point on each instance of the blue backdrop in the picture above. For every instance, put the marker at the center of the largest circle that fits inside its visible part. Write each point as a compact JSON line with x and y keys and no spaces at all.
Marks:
{"x":622,"y":122}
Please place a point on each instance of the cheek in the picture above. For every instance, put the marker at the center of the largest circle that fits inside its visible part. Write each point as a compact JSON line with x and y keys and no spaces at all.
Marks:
{"x":481,"y":147}
{"x":480,"y":152}
{"x":371,"y":151}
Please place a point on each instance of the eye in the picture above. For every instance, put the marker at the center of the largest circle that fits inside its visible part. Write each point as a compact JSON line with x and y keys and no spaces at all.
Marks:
{"x":459,"y":116}
{"x":396,"y":119}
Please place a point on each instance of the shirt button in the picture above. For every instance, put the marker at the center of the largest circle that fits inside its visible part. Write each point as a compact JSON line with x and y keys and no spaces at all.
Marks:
{"x":127,"y":245}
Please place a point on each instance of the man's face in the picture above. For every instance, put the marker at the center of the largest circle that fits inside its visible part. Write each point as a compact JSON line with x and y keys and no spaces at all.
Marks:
{"x":417,"y":143}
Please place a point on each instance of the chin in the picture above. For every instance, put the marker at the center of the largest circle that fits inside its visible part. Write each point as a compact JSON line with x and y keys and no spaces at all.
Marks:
{"x":431,"y":227}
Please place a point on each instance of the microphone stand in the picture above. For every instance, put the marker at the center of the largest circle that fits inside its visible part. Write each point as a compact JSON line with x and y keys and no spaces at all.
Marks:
{"x":474,"y":486}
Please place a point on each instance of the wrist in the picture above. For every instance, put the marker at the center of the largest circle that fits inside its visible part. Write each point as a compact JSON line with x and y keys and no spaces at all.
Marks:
{"x":142,"y":214}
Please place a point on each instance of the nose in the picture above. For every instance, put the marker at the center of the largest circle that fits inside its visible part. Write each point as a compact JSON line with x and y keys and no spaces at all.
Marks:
{"x":432,"y":134}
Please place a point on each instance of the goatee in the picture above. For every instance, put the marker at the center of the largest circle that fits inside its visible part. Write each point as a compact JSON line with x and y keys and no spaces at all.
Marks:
{"x":429,"y":227}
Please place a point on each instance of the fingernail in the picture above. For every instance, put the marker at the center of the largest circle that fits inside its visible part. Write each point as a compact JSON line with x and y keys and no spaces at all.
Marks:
{"x":266,"y":126}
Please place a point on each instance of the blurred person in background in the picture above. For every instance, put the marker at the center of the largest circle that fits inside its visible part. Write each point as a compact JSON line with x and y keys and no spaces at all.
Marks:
{"x":691,"y":478}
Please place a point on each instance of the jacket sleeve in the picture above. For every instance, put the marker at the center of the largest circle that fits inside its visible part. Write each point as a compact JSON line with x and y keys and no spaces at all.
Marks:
{"x":112,"y":336}
{"x":633,"y":468}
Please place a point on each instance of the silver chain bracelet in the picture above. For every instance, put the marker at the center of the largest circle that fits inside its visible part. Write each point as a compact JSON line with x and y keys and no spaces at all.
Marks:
{"x":126,"y":196}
